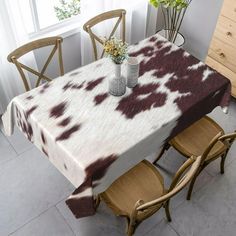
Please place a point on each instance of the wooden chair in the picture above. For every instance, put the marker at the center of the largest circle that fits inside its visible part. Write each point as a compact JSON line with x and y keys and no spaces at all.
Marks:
{"x":21,"y":51}
{"x":120,"y":13}
{"x":204,"y":137}
{"x":140,"y":192}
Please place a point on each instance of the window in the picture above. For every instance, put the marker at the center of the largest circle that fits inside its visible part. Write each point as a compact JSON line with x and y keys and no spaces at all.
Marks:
{"x":43,"y":15}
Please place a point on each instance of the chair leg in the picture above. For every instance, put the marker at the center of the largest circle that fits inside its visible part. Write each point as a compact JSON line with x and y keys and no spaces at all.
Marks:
{"x":130,"y":231}
{"x":130,"y":227}
{"x":222,"y":163}
{"x":167,"y":210}
{"x":97,"y":201}
{"x":192,"y":183}
{"x":165,"y":148}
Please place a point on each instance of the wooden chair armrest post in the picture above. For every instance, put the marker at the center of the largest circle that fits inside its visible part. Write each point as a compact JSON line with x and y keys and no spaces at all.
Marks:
{"x":180,"y":172}
{"x":14,"y":60}
{"x":134,"y":212}
{"x":231,"y":137}
{"x":195,"y":162}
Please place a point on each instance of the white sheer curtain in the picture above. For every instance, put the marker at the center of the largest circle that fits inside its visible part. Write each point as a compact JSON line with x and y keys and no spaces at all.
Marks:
{"x":136,"y":22}
{"x":12,"y":35}
{"x":139,"y":22}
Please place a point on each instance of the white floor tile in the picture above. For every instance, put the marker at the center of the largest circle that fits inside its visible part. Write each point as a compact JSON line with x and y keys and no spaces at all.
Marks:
{"x":222,"y":194}
{"x":105,"y":223}
{"x":168,"y":166}
{"x":227,"y":121}
{"x":102,"y":223}
{"x":189,"y":220}
{"x":212,"y":210}
{"x":19,"y":142}
{"x":50,"y":223}
{"x":162,"y":229}
{"x":214,"y":167}
{"x":29,"y":186}
{"x":6,"y":150}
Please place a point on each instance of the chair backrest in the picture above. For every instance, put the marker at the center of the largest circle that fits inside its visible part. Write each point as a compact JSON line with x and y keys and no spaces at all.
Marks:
{"x":228,"y":139}
{"x":186,"y":172}
{"x":21,"y":51}
{"x":182,"y":177}
{"x":120,"y":13}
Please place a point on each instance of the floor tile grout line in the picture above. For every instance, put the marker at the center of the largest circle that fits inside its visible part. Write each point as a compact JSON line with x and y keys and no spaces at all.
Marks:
{"x":1,"y":127}
{"x":18,"y":153}
{"x":180,"y":205}
{"x":119,"y":231}
{"x":31,"y":220}
{"x":6,"y":161}
{"x":29,"y":148}
{"x":163,"y":219}
{"x":173,"y":228}
{"x":9,"y":142}
{"x":14,"y":158}
{"x":184,"y":199}
{"x":214,"y":177}
{"x":154,"y":226}
{"x":26,"y":150}
{"x":227,"y":164}
{"x":53,"y":205}
{"x":65,"y":220}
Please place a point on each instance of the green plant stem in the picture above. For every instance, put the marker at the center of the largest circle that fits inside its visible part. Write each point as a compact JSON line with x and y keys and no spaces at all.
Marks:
{"x":182,"y":12}
{"x":178,"y":13}
{"x":173,"y":12}
{"x":181,"y":21}
{"x":164,"y":15}
{"x":173,"y":24}
{"x":176,"y":24}
{"x":168,"y":27}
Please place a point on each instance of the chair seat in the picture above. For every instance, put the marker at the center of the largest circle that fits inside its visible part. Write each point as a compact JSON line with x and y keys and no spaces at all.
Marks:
{"x":142,"y":182}
{"x":196,"y":138}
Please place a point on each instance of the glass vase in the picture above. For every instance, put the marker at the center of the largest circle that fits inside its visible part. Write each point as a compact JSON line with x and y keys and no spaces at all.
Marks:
{"x":117,"y":83}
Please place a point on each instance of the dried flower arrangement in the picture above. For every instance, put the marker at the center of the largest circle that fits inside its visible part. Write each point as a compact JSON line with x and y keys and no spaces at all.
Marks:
{"x":116,"y":49}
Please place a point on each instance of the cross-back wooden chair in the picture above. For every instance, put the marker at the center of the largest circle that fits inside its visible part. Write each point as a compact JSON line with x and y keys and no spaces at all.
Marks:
{"x":21,"y":51}
{"x":120,"y":13}
{"x":205,"y":137}
{"x":140,"y":192}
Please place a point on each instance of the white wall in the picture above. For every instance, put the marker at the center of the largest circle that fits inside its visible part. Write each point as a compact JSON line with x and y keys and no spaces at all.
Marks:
{"x":199,"y":25}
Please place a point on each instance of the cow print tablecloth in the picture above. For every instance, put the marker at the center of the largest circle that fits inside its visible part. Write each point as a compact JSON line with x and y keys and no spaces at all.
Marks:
{"x":93,"y":137}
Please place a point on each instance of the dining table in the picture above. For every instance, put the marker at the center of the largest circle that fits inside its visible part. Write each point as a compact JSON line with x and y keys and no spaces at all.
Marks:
{"x":93,"y":138}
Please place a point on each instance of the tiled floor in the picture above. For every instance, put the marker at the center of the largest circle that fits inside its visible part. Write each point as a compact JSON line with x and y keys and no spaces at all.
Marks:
{"x":32,"y":194}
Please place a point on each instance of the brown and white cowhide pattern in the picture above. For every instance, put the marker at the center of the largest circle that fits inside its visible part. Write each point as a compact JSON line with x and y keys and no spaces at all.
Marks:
{"x":93,"y":137}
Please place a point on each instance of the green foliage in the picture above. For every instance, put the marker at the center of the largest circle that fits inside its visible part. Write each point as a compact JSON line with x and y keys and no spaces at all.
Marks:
{"x":178,"y":4}
{"x":67,"y":9}
{"x":173,"y":13}
{"x":116,"y":49}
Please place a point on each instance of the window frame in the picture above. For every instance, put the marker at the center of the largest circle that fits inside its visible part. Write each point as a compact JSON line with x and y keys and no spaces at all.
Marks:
{"x":61,"y":24}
